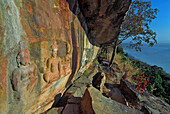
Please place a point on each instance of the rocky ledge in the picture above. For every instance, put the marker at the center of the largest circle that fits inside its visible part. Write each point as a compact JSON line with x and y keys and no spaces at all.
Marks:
{"x":106,"y":95}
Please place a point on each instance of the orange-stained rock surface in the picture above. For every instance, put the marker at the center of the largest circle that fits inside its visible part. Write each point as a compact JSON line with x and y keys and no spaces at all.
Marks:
{"x":42,"y":48}
{"x":46,"y":44}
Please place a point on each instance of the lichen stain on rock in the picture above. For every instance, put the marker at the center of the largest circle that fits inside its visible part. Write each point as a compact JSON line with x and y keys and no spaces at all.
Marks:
{"x":3,"y":98}
{"x":4,"y":64}
{"x":25,"y":27}
{"x":0,"y":30}
{"x":41,"y":19}
{"x":1,"y":43}
{"x":30,"y":10}
{"x":44,"y":23}
{"x":7,"y":8}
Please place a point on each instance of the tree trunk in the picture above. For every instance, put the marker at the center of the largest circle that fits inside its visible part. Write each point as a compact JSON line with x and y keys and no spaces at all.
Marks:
{"x":114,"y":51}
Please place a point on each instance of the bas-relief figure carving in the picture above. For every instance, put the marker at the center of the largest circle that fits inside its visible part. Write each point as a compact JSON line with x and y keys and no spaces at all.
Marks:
{"x":24,"y":78}
{"x":55,"y":66}
{"x":67,"y":63}
{"x":53,"y":70}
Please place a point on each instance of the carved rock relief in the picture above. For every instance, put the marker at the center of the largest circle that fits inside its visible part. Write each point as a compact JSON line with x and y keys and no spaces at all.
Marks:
{"x":52,"y":56}
{"x":24,"y":77}
{"x":53,"y":68}
{"x":54,"y":73}
{"x":58,"y":64}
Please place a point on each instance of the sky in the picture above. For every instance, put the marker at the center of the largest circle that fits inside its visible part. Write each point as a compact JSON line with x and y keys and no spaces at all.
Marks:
{"x":161,"y":25}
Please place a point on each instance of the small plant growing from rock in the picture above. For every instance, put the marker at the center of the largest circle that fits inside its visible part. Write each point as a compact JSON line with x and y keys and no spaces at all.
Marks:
{"x":87,"y":72}
{"x":98,"y":10}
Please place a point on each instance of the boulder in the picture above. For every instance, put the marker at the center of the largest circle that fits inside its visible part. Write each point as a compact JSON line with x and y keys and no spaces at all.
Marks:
{"x":145,"y":102}
{"x":85,"y":97}
{"x":104,"y":105}
{"x":100,"y":19}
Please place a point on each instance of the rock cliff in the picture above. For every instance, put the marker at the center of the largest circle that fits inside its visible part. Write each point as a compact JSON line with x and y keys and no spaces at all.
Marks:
{"x":42,"y":48}
{"x":46,"y":48}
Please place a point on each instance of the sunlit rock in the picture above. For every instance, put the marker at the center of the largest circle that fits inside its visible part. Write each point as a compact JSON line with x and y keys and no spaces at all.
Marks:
{"x":44,"y":47}
{"x":55,"y":49}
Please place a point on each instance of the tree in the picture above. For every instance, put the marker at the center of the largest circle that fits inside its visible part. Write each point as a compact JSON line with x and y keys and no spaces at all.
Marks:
{"x":136,"y":25}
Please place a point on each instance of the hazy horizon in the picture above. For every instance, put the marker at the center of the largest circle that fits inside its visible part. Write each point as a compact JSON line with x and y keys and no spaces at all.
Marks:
{"x":157,"y":55}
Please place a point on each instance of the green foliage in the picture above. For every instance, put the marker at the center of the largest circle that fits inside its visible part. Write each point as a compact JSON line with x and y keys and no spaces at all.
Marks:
{"x":160,"y":81}
{"x":136,"y":25}
{"x":166,"y":85}
{"x":119,"y":50}
{"x":98,"y":10}
{"x":87,"y":72}
{"x":125,"y":58}
{"x":142,"y":81}
{"x":96,"y":62}
{"x":104,"y":52}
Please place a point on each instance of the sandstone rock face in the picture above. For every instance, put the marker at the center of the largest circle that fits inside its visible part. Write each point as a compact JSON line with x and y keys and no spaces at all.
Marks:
{"x":42,"y":48}
{"x":101,"y":19}
{"x":46,"y":53}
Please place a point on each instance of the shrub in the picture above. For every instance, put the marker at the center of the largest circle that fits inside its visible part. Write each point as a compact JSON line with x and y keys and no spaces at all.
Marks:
{"x":125,"y":58}
{"x":160,"y":81}
{"x":119,"y":49}
{"x":142,"y":81}
{"x":87,"y":72}
{"x":126,"y":66}
{"x":95,"y":62}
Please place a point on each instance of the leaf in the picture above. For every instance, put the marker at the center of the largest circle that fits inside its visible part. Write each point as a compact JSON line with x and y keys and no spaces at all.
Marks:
{"x":136,"y":25}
